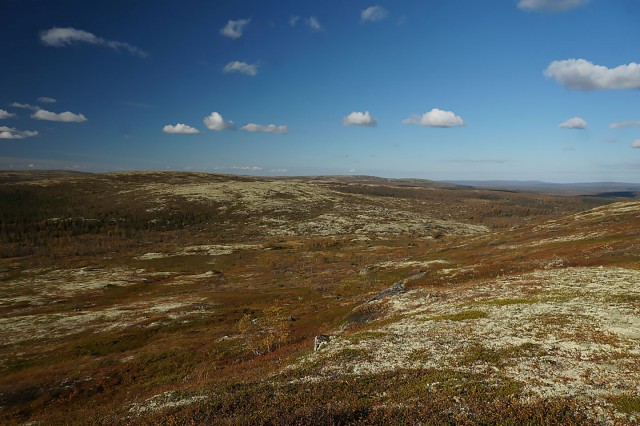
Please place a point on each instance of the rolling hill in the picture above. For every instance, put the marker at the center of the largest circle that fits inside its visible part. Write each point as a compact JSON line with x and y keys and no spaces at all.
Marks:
{"x":177,"y":298}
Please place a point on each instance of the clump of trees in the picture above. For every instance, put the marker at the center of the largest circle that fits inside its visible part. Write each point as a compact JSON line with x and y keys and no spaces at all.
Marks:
{"x":65,"y":219}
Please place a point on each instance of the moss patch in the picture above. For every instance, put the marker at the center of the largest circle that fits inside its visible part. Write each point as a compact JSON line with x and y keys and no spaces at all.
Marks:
{"x":507,"y":302}
{"x":628,"y":404}
{"x":459,"y":316}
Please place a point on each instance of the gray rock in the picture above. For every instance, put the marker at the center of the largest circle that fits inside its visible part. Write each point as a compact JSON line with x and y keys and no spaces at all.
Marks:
{"x":396,"y":288}
{"x":320,"y":341}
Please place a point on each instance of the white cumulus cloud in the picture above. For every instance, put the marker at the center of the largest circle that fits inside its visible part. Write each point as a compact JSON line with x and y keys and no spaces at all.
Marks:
{"x":581,"y":74}
{"x":551,"y":5}
{"x":359,"y":119}
{"x":374,"y":14}
{"x":435,"y":118}
{"x":623,"y":124}
{"x":271,"y":128}
{"x":574,"y":123}
{"x":47,"y":100}
{"x":214,"y":121}
{"x":635,"y":144}
{"x":60,"y":37}
{"x":12,"y":133}
{"x":181,"y":129}
{"x":234,"y":29}
{"x":5,"y":114}
{"x":66,"y":117}
{"x":241,"y":67}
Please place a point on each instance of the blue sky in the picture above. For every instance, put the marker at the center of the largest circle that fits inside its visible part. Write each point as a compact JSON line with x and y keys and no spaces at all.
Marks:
{"x":455,"y":89}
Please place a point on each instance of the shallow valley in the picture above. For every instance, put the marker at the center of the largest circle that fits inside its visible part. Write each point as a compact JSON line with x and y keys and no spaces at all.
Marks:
{"x":170,"y":298}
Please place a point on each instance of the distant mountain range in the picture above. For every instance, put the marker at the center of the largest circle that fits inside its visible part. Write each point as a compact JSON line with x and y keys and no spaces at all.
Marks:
{"x":601,"y":189}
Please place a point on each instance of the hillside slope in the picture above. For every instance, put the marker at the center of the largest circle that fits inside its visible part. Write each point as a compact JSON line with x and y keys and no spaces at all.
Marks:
{"x":181,"y":297}
{"x":559,"y":331}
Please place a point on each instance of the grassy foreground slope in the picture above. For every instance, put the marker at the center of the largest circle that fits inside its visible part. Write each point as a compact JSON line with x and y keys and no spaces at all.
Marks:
{"x":188,"y":298}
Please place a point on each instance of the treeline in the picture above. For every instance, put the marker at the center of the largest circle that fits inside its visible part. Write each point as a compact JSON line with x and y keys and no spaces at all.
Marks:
{"x":35,"y":217}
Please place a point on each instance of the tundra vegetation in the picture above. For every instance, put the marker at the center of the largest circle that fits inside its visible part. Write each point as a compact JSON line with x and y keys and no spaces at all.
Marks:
{"x":186,"y":298}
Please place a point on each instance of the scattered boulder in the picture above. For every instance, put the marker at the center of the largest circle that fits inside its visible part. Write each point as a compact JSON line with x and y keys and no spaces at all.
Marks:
{"x":320,"y":341}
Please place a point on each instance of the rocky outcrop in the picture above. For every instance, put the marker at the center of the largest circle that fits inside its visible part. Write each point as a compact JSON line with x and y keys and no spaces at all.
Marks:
{"x":396,"y":288}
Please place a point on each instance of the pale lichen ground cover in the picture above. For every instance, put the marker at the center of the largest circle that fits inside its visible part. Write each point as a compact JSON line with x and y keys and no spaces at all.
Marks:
{"x":571,"y":333}
{"x":200,"y":250}
{"x":323,"y":211}
{"x":34,"y":299}
{"x":164,"y":400}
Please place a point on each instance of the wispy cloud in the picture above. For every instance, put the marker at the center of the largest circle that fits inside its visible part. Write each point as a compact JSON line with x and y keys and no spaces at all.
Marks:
{"x":12,"y":133}
{"x":477,"y":161}
{"x":181,"y":129}
{"x":214,"y":121}
{"x":47,"y":100}
{"x":580,"y":74}
{"x":241,"y":67}
{"x":251,"y":168}
{"x":6,"y":114}
{"x":25,"y":106}
{"x":551,"y":5}
{"x":30,"y":162}
{"x":60,"y":37}
{"x":234,"y":29}
{"x":66,"y":117}
{"x":271,"y":128}
{"x":635,"y":144}
{"x":312,"y":22}
{"x":435,"y":118}
{"x":574,"y":123}
{"x":246,"y":168}
{"x":360,"y":119}
{"x":374,"y":14}
{"x":623,"y":124}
